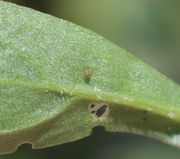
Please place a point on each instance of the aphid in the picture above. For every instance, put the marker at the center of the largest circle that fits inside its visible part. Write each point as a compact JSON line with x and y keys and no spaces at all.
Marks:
{"x":87,"y":74}
{"x":99,"y":110}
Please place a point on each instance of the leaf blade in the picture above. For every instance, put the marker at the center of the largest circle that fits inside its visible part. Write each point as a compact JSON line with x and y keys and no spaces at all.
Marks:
{"x":42,"y":61}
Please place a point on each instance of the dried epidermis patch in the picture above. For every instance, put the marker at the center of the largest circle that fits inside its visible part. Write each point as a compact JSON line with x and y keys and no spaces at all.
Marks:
{"x":99,"y":110}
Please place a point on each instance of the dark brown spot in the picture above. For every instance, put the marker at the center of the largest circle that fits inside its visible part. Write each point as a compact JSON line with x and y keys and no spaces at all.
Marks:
{"x":92,"y":105}
{"x":93,"y":111}
{"x":101,"y":110}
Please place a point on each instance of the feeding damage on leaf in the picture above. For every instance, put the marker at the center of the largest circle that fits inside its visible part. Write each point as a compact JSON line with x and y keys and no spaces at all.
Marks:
{"x":99,"y":110}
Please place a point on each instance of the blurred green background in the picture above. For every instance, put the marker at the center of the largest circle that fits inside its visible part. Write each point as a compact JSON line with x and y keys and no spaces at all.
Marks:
{"x":149,"y":29}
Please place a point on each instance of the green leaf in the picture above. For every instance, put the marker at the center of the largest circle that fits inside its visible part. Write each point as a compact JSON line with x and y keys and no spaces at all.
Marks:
{"x":59,"y":80}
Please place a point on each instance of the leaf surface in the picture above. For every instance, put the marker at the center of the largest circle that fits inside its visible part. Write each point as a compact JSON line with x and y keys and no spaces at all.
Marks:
{"x":59,"y":80}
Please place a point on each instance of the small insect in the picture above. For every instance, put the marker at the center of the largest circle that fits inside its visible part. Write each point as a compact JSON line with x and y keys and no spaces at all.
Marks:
{"x":99,"y":110}
{"x":87,"y":74}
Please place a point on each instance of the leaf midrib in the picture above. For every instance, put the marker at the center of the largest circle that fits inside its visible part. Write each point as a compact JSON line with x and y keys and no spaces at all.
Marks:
{"x":91,"y":95}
